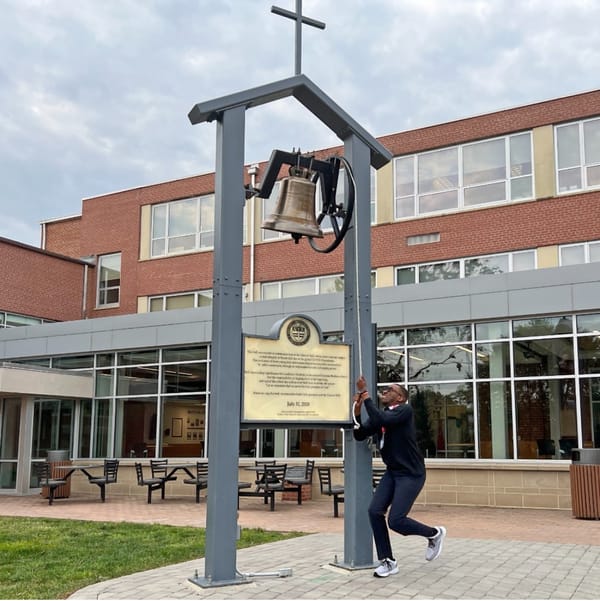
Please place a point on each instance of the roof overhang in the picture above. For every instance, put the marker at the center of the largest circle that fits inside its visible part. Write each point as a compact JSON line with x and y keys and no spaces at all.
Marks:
{"x":25,"y":380}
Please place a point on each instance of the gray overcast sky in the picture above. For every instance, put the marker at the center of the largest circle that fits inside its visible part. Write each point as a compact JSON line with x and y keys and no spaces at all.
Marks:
{"x":94,"y":94}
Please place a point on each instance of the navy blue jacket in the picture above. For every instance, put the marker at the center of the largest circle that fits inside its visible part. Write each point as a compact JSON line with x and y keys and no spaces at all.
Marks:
{"x":400,"y":450}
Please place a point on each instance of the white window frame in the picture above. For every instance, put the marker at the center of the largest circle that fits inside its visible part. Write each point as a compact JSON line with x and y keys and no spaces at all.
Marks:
{"x":103,"y":290}
{"x":581,"y":165}
{"x":512,"y":174}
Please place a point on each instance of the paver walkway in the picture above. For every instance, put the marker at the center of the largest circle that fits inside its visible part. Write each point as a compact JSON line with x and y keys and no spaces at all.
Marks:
{"x":489,"y":553}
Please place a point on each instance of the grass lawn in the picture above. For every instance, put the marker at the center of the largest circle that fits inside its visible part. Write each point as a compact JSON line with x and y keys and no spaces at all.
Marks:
{"x":51,"y":559}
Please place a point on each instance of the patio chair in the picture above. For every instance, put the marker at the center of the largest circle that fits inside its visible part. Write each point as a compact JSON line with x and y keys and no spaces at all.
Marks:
{"x":151,"y":483}
{"x":45,"y":479}
{"x":201,"y":479}
{"x":111,"y":468}
{"x":297,"y":476}
{"x":332,"y":490}
{"x":159,"y":470}
{"x":377,"y":475}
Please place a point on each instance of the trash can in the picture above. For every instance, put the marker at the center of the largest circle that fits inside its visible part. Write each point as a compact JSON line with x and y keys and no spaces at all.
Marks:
{"x":57,"y":458}
{"x":585,"y":483}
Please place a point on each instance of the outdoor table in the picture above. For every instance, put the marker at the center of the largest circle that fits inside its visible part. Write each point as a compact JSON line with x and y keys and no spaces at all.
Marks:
{"x":188,"y":468}
{"x":71,"y":469}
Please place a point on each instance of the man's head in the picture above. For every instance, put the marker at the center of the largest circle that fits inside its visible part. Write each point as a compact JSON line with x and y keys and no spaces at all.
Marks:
{"x":393,"y":394}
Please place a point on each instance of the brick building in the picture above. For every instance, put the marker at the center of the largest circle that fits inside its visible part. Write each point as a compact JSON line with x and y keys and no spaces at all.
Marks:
{"x":485,"y":259}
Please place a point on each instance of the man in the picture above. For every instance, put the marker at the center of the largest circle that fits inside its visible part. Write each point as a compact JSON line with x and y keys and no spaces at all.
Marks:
{"x":404,"y":477}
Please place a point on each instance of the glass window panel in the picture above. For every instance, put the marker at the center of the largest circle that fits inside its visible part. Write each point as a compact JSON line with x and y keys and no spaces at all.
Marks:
{"x":207,"y":213}
{"x":331,"y":284}
{"x":184,"y":422}
{"x":183,"y":217}
{"x":157,"y":304}
{"x":495,"y":420}
{"x":133,"y":381}
{"x":572,"y":255}
{"x":405,"y":178}
{"x":484,"y":162}
{"x":493,"y":360}
{"x":591,"y":140}
{"x":492,"y":330}
{"x":590,"y":411}
{"x":101,"y":427}
{"x":449,"y":270}
{"x":137,"y":357}
{"x":520,"y":155}
{"x":186,"y":377}
{"x":569,"y":179}
{"x":521,"y":187}
{"x":437,"y":334}
{"x":486,"y":265}
{"x":182,"y":301}
{"x":158,"y":247}
{"x":589,"y":354}
{"x":270,"y":291}
{"x":191,"y":353}
{"x":390,"y":338}
{"x":545,"y":416}
{"x":542,"y":326}
{"x":439,"y":363}
{"x":297,"y":288}
{"x":484,"y":194}
{"x":522,"y":261}
{"x":52,"y":426}
{"x":390,"y":366}
{"x":78,"y":362}
{"x":85,"y":428}
{"x":588,"y":323}
{"x":104,"y":382}
{"x":159,"y":221}
{"x":438,"y":171}
{"x":105,"y":359}
{"x":442,"y":201}
{"x":205,"y":298}
{"x":405,"y":275}
{"x":404,"y":207}
{"x":182,"y":243}
{"x":444,"y":419}
{"x":593,"y":175}
{"x":248,"y":443}
{"x":14,"y":320}
{"x":10,"y":412}
{"x":543,"y":357}
{"x":568,"y":145}
{"x":135,"y":435}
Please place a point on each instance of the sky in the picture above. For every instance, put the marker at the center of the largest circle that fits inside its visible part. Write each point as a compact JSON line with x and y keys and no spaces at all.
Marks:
{"x":95,"y":94}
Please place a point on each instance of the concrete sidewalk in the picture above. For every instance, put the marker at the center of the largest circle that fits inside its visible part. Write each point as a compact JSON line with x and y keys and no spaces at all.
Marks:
{"x":488,"y":554}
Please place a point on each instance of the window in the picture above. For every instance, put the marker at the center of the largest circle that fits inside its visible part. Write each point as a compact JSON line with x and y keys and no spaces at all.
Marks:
{"x":490,"y":171}
{"x":168,"y":302}
{"x":466,"y":268}
{"x":183,"y":226}
{"x":578,"y":155}
{"x":305,"y":287}
{"x":575,"y":254}
{"x":109,"y":280}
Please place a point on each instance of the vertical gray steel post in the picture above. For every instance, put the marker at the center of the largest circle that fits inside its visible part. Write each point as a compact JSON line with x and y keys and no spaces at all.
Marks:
{"x":226,"y":358}
{"x":358,"y":545}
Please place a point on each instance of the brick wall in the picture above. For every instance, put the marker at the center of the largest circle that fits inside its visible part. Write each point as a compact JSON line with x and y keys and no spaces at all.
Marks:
{"x":39,"y":284}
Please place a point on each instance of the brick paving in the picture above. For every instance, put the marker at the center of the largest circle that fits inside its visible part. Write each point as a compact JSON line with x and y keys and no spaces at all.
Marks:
{"x":489,"y":553}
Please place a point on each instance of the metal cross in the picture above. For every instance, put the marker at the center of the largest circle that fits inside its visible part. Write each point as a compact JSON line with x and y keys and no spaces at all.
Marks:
{"x":300,"y":19}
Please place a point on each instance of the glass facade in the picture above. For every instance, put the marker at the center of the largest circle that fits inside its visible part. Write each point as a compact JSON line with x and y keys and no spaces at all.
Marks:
{"x":502,"y":390}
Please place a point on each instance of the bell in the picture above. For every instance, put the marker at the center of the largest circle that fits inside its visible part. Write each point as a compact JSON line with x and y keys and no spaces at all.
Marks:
{"x":295,"y":209}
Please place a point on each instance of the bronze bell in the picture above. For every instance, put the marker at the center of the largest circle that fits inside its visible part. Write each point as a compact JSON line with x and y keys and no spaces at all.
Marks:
{"x":295,"y":209}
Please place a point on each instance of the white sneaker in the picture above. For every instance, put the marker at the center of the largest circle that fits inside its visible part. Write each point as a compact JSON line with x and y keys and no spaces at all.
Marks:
{"x":434,"y":548}
{"x":386,"y":568}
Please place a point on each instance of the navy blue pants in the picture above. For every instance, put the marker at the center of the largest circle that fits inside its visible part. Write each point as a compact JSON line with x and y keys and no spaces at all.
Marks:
{"x":397,"y":492}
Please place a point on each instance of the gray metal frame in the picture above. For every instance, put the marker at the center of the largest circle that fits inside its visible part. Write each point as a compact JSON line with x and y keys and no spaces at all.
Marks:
{"x":362,"y":151}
